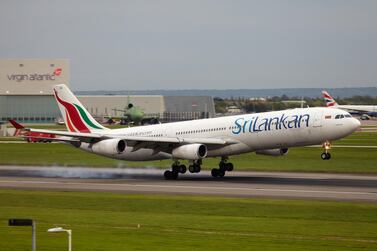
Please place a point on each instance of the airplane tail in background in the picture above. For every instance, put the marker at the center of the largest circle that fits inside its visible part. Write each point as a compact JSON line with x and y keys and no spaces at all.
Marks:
{"x":15,"y":124}
{"x":330,"y":102}
{"x":18,"y":127}
{"x":76,"y":117}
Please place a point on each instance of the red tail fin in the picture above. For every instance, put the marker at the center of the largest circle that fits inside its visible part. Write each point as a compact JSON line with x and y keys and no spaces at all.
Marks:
{"x":15,"y":124}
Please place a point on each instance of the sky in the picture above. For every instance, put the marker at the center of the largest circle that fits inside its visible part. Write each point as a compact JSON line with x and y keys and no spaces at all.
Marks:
{"x":198,"y":44}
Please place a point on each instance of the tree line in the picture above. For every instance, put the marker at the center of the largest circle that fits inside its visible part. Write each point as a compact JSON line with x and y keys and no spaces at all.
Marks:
{"x":284,"y":102}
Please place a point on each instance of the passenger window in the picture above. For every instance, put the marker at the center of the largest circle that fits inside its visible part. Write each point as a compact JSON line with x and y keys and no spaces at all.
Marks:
{"x":341,"y":116}
{"x":337,"y":116}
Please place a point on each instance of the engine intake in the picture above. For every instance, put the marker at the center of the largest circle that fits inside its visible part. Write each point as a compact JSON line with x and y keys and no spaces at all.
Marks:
{"x":190,"y":152}
{"x":109,"y":147}
{"x":273,"y":152}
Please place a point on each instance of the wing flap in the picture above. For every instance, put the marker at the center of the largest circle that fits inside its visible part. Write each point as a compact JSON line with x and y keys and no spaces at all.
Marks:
{"x":76,"y":136}
{"x":68,"y":134}
{"x":60,"y":139}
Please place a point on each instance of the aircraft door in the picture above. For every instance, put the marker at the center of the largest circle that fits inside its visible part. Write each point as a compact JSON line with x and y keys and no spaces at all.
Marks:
{"x":317,"y":123}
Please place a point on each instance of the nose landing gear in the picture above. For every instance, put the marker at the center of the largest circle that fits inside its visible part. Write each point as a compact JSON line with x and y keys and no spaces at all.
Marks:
{"x":326,"y":155}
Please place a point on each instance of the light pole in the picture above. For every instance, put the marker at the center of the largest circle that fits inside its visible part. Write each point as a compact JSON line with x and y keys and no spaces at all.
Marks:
{"x":59,"y":230}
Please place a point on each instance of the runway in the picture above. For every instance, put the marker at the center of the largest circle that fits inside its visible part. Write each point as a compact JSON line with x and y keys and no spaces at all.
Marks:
{"x":342,"y":187}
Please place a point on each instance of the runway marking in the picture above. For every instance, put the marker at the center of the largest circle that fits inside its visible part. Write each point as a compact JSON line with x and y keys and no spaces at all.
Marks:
{"x":343,"y":146}
{"x":193,"y":187}
{"x":247,"y":234}
{"x":13,"y":142}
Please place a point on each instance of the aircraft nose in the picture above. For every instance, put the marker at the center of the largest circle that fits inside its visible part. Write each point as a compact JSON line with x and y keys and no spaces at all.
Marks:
{"x":355,"y":124}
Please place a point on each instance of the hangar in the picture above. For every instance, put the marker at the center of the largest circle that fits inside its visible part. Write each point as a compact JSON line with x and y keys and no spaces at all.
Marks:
{"x":26,"y":95}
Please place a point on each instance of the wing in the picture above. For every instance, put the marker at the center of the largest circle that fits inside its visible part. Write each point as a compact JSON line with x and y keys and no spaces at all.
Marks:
{"x":84,"y":137}
{"x":355,"y":109}
{"x":146,"y":142}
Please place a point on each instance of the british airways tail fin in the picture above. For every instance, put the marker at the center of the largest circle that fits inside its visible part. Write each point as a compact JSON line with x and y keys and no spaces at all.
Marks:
{"x":76,"y":117}
{"x":330,"y":101}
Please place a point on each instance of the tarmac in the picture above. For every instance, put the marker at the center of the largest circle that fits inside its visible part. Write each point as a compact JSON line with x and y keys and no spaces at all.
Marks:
{"x":319,"y":186}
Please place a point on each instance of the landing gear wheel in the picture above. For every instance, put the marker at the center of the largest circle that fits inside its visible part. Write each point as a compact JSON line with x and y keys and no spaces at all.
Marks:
{"x":325,"y":156}
{"x":215,"y":172}
{"x":175,"y":168}
{"x":224,"y":167}
{"x":229,"y":167}
{"x":328,"y":155}
{"x":182,"y":169}
{"x":167,"y":174}
{"x":191,"y":169}
{"x":326,"y":146}
{"x":197,"y":168}
{"x":170,"y":175}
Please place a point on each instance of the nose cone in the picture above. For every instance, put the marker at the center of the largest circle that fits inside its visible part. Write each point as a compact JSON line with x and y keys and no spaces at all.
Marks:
{"x":354,"y":124}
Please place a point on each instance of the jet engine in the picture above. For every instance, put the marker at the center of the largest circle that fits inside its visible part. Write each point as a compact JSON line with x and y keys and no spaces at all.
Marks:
{"x":190,"y":152}
{"x":109,"y":147}
{"x":273,"y":152}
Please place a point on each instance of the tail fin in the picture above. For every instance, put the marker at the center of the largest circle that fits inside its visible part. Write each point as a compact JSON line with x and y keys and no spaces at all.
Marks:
{"x":330,"y":102}
{"x":76,"y":117}
{"x":18,"y":127}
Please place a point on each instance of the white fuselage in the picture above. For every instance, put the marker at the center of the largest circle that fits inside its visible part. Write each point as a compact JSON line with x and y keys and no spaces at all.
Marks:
{"x":358,"y":108}
{"x":249,"y":132}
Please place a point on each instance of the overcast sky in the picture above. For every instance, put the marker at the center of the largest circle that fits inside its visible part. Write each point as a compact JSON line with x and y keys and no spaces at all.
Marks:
{"x":198,"y":44}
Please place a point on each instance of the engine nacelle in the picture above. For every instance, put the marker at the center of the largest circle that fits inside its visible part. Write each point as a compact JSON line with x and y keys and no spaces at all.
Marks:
{"x":190,"y":152}
{"x":109,"y":147}
{"x":273,"y":152}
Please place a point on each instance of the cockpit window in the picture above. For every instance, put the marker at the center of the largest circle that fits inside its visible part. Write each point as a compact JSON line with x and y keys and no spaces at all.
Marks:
{"x":341,"y":116}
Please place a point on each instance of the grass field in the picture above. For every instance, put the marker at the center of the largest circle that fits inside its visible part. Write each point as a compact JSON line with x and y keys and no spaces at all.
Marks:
{"x":107,"y":221}
{"x":359,"y":138}
{"x":303,"y":159}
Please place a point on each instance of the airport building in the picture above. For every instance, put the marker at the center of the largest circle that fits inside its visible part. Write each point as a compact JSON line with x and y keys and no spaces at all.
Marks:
{"x":26,"y":95}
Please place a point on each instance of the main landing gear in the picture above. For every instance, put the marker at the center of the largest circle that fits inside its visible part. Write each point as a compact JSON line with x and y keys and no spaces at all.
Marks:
{"x":326,"y":155}
{"x":176,"y":168}
{"x":224,"y":166}
{"x":195,"y":167}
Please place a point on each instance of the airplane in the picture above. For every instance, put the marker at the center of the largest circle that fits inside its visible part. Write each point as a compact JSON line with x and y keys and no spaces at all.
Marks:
{"x":368,"y":109}
{"x":133,"y":114}
{"x":268,"y":133}
{"x":31,"y":136}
